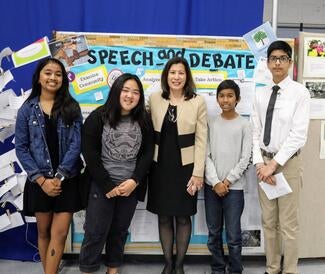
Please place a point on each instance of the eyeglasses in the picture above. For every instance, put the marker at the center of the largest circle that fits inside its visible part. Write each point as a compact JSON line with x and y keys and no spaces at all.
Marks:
{"x":282,"y":59}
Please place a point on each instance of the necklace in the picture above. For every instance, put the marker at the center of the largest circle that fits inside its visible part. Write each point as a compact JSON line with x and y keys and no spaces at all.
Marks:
{"x":48,"y":113}
{"x":172,"y":115}
{"x":175,"y":100}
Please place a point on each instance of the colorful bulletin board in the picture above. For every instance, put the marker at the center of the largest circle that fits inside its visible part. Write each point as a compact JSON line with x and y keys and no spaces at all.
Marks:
{"x":212,"y":59}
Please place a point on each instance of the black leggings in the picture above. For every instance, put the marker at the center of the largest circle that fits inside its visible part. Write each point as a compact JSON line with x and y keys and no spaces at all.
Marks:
{"x":183,"y":236}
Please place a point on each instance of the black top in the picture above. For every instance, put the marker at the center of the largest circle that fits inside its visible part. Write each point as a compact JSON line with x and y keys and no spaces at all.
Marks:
{"x":52,"y":140}
{"x":91,"y":147}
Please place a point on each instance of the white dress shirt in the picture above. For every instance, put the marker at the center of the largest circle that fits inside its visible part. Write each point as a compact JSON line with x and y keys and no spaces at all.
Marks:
{"x":289,"y":124}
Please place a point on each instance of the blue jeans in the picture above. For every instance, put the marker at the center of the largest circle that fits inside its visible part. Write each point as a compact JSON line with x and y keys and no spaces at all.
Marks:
{"x":230,"y":209}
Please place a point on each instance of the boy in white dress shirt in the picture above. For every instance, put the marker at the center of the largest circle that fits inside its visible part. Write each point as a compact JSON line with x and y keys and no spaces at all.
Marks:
{"x":280,"y":121}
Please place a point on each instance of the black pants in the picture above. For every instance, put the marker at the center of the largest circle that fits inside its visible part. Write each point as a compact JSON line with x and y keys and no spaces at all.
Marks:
{"x":107,"y":222}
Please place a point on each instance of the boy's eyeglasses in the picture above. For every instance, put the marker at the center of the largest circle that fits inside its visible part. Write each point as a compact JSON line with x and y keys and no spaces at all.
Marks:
{"x":282,"y":59}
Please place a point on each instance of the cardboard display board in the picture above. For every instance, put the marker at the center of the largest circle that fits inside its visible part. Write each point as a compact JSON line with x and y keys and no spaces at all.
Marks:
{"x":212,"y":59}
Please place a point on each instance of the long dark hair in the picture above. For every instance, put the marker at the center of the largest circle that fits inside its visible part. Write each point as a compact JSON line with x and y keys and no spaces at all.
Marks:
{"x":64,"y":105}
{"x":189,"y":88}
{"x":111,"y":110}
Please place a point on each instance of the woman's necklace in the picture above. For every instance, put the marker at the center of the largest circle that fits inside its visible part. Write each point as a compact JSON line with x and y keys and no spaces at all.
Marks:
{"x":46,"y":108}
{"x":172,"y":114}
{"x":172,"y":108}
{"x":176,"y":100}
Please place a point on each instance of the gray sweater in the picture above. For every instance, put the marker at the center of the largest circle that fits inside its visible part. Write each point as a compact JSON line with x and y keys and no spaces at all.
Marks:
{"x":120,"y":147}
{"x":229,"y":150}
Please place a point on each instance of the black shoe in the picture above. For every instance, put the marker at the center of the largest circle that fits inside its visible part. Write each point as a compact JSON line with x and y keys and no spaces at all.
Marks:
{"x":168,"y":269}
{"x":179,"y":270}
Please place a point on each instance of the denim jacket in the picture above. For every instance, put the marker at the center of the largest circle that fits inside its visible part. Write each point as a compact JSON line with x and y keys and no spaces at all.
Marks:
{"x":31,"y":147}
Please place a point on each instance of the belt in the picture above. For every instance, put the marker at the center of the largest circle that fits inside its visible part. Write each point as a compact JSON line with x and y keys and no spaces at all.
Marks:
{"x":271,"y":155}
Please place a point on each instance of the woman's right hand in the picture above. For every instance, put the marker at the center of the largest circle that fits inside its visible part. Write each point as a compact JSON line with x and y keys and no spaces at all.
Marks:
{"x":51,"y":187}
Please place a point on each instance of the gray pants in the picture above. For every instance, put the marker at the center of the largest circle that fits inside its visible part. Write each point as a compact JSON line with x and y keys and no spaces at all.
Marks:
{"x":107,"y":222}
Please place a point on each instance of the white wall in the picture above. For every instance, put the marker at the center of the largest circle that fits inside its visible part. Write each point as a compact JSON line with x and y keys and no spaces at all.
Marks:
{"x":293,"y":12}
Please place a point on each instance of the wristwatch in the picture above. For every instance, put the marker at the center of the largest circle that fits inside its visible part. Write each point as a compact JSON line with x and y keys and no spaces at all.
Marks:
{"x":59,"y":176}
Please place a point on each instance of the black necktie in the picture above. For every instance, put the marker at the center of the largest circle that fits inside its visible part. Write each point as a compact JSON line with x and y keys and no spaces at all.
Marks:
{"x":269,"y":115}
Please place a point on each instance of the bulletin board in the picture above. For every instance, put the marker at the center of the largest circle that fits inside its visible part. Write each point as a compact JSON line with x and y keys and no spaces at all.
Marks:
{"x":311,"y":70}
{"x":212,"y":59}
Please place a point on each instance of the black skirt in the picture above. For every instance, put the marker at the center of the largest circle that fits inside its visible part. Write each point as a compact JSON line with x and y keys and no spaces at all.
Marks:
{"x":168,"y":178}
{"x":36,"y":200}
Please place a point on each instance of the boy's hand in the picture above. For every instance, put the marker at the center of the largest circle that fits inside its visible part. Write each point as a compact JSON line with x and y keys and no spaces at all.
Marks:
{"x":265,"y":172}
{"x":221,"y":189}
{"x":227,"y":183}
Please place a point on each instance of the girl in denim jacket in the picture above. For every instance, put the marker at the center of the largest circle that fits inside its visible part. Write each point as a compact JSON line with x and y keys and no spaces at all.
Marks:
{"x":48,"y":146}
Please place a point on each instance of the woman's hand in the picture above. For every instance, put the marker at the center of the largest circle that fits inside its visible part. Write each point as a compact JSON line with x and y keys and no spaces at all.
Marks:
{"x":51,"y":187}
{"x":197,"y":181}
{"x":194,"y":184}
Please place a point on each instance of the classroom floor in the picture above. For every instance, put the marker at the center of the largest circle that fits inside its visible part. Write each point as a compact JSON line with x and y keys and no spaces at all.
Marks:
{"x":136,"y":266}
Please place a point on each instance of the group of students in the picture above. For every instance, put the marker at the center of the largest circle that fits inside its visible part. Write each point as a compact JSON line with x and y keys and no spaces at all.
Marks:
{"x":169,"y":145}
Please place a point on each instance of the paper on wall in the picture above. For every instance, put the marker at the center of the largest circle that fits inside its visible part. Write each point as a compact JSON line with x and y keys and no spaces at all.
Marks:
{"x":262,"y":74}
{"x":144,"y":227}
{"x":5,"y":53}
{"x":6,"y":130}
{"x":313,"y":57}
{"x":8,"y":114}
{"x":8,"y":157}
{"x":18,"y":202}
{"x":4,"y":221}
{"x":13,"y":180}
{"x":15,"y":191}
{"x":21,"y":178}
{"x":4,"y":97}
{"x":15,"y":102}
{"x":5,"y":78}
{"x":6,"y":172}
{"x":259,"y":39}
{"x":15,"y":221}
{"x":7,"y":198}
{"x":8,"y":185}
{"x":31,"y":53}
{"x":19,"y":188}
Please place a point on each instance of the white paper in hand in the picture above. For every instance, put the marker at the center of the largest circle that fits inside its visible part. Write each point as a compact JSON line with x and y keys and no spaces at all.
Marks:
{"x":280,"y":189}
